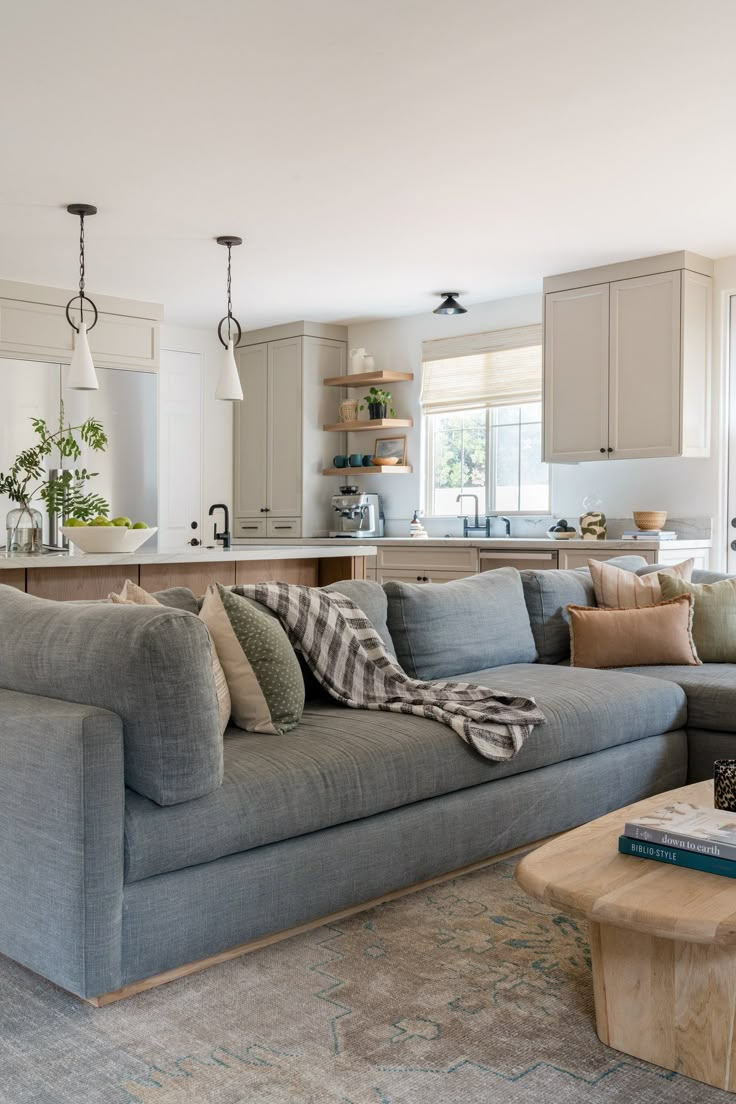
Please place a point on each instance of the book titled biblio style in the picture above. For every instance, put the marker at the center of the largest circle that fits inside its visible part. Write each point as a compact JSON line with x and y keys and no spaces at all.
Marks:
{"x":706,"y":832}
{"x":676,"y":856}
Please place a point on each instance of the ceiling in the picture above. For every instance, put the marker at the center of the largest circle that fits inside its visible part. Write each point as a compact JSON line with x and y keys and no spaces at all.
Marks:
{"x":370,"y":152}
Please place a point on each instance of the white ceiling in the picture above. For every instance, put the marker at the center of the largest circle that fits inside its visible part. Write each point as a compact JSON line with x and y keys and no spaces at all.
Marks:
{"x":370,"y":152}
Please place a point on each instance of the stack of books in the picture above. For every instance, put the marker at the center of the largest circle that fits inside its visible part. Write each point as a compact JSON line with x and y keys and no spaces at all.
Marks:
{"x":649,"y":534}
{"x":684,"y":835}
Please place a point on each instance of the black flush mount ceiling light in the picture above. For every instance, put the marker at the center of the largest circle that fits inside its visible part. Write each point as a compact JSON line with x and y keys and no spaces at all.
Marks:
{"x":82,"y":375}
{"x":228,"y":385}
{"x":449,"y":304}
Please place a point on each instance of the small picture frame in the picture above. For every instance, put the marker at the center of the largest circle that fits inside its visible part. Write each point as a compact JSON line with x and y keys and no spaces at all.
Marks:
{"x":391,"y":447}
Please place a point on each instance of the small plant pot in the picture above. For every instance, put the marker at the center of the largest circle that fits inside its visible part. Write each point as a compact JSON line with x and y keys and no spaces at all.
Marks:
{"x":377,"y":410}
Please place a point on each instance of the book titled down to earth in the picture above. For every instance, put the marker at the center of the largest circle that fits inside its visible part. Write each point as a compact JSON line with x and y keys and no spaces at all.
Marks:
{"x":684,"y":835}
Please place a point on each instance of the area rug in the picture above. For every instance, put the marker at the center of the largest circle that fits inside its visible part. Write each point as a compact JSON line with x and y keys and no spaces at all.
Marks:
{"x":466,"y":993}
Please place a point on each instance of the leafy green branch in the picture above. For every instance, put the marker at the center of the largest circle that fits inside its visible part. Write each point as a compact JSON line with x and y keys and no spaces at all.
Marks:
{"x":65,"y":494}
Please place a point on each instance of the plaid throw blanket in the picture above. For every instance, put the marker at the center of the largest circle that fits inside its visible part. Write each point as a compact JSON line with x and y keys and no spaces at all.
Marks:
{"x":349,"y":659}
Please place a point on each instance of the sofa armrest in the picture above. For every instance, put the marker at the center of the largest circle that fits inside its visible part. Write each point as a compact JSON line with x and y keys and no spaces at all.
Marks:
{"x":61,"y":840}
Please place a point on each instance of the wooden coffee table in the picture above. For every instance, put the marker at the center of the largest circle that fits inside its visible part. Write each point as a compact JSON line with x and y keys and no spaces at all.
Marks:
{"x":663,"y":943}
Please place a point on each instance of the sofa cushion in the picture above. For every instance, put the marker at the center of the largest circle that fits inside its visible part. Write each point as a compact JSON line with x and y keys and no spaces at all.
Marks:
{"x":548,"y":594}
{"x":617,"y":588}
{"x":698,"y":576}
{"x":443,"y":629}
{"x":714,"y":616}
{"x":371,"y":598}
{"x":609,"y":637}
{"x":152,"y":666}
{"x":342,"y":764}
{"x":710,"y":690}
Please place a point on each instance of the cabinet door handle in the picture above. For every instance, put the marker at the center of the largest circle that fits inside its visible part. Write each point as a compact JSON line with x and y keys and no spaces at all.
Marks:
{"x":610,"y":450}
{"x":603,"y":450}
{"x":265,"y":509}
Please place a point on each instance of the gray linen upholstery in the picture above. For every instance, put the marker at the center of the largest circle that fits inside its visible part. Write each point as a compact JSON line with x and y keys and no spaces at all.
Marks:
{"x":340,"y":765}
{"x":710,"y":689}
{"x":703,"y":748}
{"x":699,"y":575}
{"x":371,"y":598}
{"x":151,"y":666}
{"x":61,"y":840}
{"x":178,"y":598}
{"x":548,"y":594}
{"x":443,"y":629}
{"x":271,"y":888}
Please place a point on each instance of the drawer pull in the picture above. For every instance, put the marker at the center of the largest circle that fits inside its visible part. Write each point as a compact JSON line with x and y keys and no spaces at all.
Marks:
{"x":283,"y":526}
{"x":249,"y":526}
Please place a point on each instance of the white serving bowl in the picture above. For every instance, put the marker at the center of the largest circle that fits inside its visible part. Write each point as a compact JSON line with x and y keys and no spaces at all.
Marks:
{"x":563,"y":536}
{"x":106,"y":538}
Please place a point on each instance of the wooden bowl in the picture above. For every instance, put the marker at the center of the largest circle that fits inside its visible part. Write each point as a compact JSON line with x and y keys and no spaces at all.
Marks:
{"x":385,"y":461}
{"x":649,"y":519}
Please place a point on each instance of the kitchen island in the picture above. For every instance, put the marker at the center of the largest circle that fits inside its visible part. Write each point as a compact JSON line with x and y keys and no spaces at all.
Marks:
{"x":64,"y":576}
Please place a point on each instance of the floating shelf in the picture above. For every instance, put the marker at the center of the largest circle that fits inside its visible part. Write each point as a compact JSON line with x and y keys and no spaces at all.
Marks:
{"x":374,"y":423}
{"x":362,"y":379}
{"x":383,"y":469}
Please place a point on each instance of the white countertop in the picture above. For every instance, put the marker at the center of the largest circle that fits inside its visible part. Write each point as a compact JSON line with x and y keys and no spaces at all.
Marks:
{"x":502,"y":543}
{"x":295,"y":551}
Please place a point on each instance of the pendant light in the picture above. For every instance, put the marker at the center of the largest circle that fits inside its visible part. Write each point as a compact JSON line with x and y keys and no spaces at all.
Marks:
{"x":82,"y":375}
{"x":449,"y":304}
{"x":228,"y":385}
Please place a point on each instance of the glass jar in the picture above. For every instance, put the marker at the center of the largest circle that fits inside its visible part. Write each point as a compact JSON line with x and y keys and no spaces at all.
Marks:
{"x":24,"y":531}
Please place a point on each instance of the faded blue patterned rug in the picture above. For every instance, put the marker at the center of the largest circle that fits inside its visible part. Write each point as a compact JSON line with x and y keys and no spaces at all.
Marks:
{"x":466,"y":993}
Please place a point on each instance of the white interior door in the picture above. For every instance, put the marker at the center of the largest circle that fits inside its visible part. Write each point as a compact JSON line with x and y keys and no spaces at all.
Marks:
{"x":180,"y":450}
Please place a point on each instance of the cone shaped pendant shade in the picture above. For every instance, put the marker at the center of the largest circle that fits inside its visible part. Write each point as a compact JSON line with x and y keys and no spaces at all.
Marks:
{"x":82,"y":375}
{"x":228,"y":385}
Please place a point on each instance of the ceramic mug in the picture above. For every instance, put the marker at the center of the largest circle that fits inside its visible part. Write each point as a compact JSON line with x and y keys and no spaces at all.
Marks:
{"x":340,"y":461}
{"x":367,"y":461}
{"x":355,"y":459}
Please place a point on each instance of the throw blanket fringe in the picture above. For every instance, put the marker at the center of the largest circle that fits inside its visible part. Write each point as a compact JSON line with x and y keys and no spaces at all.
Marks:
{"x":349,"y":659}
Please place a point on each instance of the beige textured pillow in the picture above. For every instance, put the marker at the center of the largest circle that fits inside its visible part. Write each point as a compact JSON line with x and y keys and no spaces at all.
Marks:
{"x":619,"y":589}
{"x":602,"y":637}
{"x":714,"y":616}
{"x":134,"y":595}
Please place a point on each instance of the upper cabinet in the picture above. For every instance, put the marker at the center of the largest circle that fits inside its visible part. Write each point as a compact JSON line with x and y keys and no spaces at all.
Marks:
{"x":33,"y":326}
{"x":278,"y":485}
{"x":627,"y":361}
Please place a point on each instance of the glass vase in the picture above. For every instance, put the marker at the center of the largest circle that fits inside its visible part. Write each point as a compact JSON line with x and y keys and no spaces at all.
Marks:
{"x":24,"y":531}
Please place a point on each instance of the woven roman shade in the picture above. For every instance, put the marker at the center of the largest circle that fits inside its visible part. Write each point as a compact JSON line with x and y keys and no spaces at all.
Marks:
{"x":499,"y":368}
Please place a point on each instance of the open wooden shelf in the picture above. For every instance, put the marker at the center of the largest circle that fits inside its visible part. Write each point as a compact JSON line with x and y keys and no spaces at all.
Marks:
{"x":374,"y":423}
{"x":363,"y":379}
{"x":382,"y":469}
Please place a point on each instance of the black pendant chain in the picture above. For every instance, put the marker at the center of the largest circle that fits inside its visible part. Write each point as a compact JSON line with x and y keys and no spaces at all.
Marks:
{"x":229,"y":240}
{"x":81,"y":267}
{"x":229,"y":291}
{"x":81,"y":210}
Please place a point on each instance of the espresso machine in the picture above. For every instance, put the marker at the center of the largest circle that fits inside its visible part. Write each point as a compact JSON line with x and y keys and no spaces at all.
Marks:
{"x":358,"y":514}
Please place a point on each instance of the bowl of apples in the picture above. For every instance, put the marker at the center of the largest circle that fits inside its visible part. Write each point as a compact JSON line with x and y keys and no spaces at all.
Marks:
{"x":107,"y":536}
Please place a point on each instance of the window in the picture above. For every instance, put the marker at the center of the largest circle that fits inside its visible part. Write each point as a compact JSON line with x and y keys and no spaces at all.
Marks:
{"x":481,"y":401}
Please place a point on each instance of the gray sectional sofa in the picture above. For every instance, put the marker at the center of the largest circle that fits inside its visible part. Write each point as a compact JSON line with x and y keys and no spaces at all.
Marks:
{"x":134,"y":840}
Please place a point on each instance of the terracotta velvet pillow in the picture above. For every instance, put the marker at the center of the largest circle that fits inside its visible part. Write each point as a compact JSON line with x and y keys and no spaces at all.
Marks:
{"x":617,"y":589}
{"x":633,"y":637}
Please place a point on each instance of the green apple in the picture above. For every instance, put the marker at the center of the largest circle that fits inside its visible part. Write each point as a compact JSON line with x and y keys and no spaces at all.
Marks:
{"x":122,"y":521}
{"x":100,"y":521}
{"x":140,"y":525}
{"x":74,"y":522}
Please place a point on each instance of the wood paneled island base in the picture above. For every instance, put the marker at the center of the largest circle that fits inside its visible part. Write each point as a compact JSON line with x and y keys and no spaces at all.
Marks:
{"x":662,"y":939}
{"x":77,"y":580}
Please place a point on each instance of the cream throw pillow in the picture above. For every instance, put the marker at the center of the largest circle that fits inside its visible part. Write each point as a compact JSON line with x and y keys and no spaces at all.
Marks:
{"x":658,"y":634}
{"x":619,"y":589}
{"x":133,"y":595}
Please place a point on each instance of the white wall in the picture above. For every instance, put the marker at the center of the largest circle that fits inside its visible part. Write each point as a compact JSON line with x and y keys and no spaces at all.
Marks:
{"x":217,"y":429}
{"x":683,"y":487}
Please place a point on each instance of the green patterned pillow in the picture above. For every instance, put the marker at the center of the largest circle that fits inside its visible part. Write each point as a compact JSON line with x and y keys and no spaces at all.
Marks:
{"x":260,"y":665}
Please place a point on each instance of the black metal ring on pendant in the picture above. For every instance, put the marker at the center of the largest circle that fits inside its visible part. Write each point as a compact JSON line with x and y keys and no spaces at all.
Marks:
{"x":219,"y":331}
{"x":82,"y":299}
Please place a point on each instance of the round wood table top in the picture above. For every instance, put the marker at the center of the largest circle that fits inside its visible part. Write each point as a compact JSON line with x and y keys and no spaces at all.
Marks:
{"x":582,"y":873}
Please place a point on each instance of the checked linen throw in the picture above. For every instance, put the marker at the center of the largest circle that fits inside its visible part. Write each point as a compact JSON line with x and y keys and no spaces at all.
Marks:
{"x":348,"y":658}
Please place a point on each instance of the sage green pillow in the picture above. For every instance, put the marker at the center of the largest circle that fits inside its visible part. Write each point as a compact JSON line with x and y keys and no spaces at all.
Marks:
{"x":262,"y":671}
{"x":714,"y":616}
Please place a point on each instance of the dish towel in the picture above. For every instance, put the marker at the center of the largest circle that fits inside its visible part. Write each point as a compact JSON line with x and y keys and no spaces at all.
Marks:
{"x":348,"y":658}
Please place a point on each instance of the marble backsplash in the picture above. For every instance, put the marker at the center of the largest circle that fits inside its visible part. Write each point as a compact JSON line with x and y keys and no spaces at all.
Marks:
{"x":691,"y":528}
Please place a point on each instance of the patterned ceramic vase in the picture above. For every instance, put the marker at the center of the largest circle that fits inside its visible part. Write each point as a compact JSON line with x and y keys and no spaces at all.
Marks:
{"x":724,"y":784}
{"x":593,"y":525}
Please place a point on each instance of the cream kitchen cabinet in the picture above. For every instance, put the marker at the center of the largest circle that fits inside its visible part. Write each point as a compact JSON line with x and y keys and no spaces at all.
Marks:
{"x":424,"y":564}
{"x":627,"y":361}
{"x":278,"y":487}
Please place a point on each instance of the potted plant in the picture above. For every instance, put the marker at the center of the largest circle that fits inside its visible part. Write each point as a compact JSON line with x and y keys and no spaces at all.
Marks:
{"x":378,"y":402}
{"x":63,"y":493}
